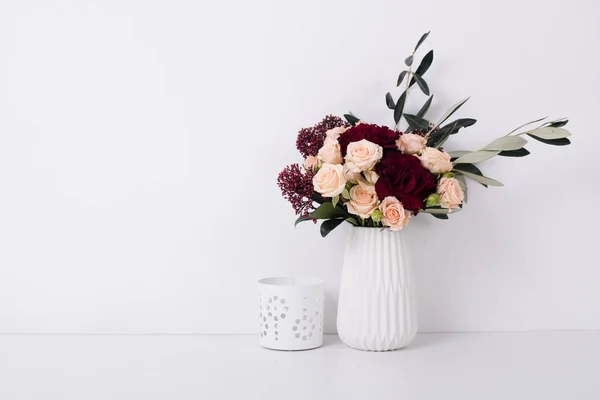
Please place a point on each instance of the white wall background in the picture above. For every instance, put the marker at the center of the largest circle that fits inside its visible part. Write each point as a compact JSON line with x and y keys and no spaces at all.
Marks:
{"x":140,"y":142}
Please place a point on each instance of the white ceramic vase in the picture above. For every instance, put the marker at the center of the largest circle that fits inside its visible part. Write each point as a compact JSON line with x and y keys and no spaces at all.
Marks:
{"x":377,"y":308}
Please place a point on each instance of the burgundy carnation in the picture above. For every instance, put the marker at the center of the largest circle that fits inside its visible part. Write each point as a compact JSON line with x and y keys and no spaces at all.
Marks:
{"x":381,"y":135}
{"x":310,"y":140}
{"x":403,"y":176}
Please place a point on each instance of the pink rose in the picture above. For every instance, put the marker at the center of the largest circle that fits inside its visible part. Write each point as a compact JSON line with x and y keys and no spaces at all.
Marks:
{"x":330,"y":152}
{"x":311,"y":163}
{"x":330,"y":180}
{"x":334,"y":134}
{"x":409,"y":143}
{"x":362,"y":201}
{"x":351,"y":176}
{"x":435,"y":161}
{"x":363,"y":155}
{"x":393,"y":213}
{"x":450,"y":192}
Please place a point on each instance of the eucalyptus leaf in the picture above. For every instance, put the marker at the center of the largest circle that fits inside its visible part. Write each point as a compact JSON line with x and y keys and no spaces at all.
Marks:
{"x":479,"y":178}
{"x":422,"y":40}
{"x":555,"y":142}
{"x":559,"y":123}
{"x":451,"y":111}
{"x":515,"y":153}
{"x":476,"y":156}
{"x":399,"y":107}
{"x":351,"y":119}
{"x":422,"y":84}
{"x":390,"y":101}
{"x":408,"y":61}
{"x":423,"y":66}
{"x":463,"y":185}
{"x":439,"y":210}
{"x":401,"y":77}
{"x":425,"y":107}
{"x":329,"y":225}
{"x":528,"y":123}
{"x":460,"y":123}
{"x":458,"y":153}
{"x":506,"y":143}
{"x":550,"y":133}
{"x":416,"y":122}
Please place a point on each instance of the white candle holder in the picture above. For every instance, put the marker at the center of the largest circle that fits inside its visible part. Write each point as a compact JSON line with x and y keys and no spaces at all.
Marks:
{"x":291,"y":313}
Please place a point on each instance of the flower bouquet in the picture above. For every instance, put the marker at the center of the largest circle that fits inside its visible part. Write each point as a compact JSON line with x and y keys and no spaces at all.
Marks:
{"x":376,"y":176}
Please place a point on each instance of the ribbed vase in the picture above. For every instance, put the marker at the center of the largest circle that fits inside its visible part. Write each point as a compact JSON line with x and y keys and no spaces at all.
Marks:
{"x":377,"y":306}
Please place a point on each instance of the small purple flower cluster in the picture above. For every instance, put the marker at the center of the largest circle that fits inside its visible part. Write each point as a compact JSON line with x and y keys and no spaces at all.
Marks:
{"x":310,"y":140}
{"x":297,"y":188}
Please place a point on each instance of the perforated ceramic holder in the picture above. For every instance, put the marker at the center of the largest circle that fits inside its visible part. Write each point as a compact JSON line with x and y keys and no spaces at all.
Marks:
{"x":291,"y":313}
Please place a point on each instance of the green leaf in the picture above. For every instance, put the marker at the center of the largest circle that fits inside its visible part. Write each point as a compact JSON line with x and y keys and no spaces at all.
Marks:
{"x":438,"y":210}
{"x":335,"y":200}
{"x":327,"y":211}
{"x":399,"y":107}
{"x":422,"y":40}
{"x":506,"y":143}
{"x":458,"y":153}
{"x":555,"y":142}
{"x":352,"y":220}
{"x":550,"y":133}
{"x":463,"y":184}
{"x":346,"y":194}
{"x":528,"y":123}
{"x":451,"y":111}
{"x":390,"y":101}
{"x":425,"y":107}
{"x":329,"y":225}
{"x":422,"y":84}
{"x":480,"y":178}
{"x":408,"y":61}
{"x":471,"y":168}
{"x":351,"y":119}
{"x":559,"y":123}
{"x":302,"y":218}
{"x":515,"y":153}
{"x":417,"y":123}
{"x":460,"y":123}
{"x":401,"y":77}
{"x":423,"y":66}
{"x":476,"y":156}
{"x":440,"y":216}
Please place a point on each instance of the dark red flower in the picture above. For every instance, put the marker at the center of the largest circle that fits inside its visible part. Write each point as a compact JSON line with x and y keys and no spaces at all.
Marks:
{"x":381,"y":135}
{"x":297,"y":188}
{"x":310,"y":140}
{"x":403,"y":176}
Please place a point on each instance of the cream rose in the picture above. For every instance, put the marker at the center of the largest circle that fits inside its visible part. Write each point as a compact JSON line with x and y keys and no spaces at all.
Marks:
{"x":450,"y":192}
{"x":435,"y":161}
{"x":362,"y":201}
{"x":311,"y":162}
{"x":351,"y":176}
{"x":409,"y":143}
{"x":394,"y":214}
{"x":330,"y":180}
{"x":334,"y":134}
{"x":330,"y":152}
{"x":371,"y":176}
{"x":363,"y":155}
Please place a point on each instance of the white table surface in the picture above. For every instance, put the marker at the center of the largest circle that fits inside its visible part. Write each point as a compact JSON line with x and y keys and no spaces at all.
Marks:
{"x":483,"y":366}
